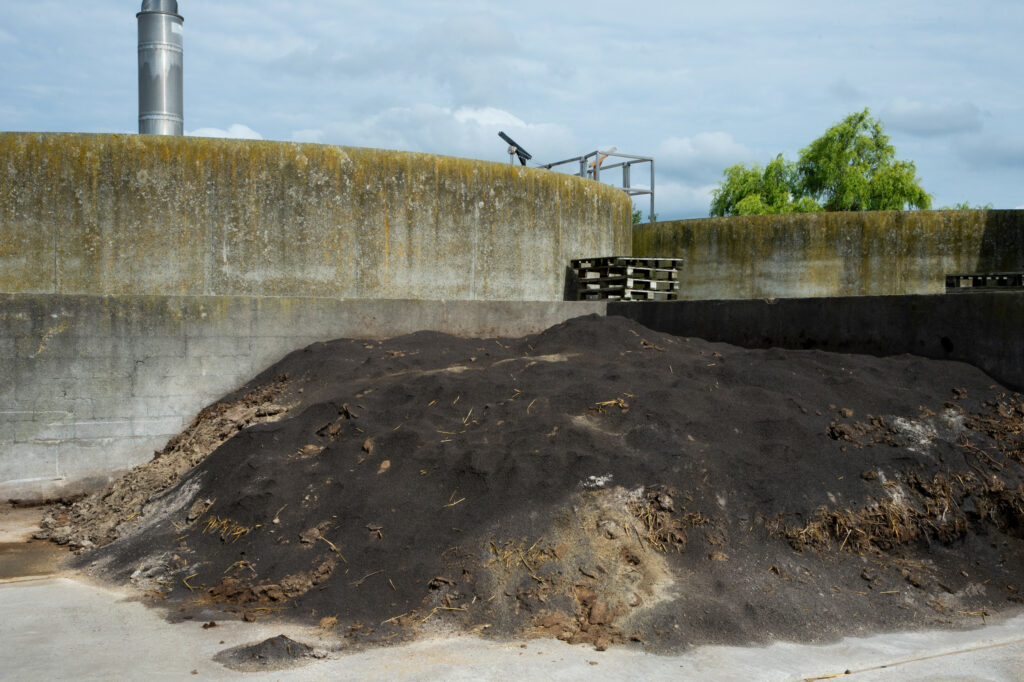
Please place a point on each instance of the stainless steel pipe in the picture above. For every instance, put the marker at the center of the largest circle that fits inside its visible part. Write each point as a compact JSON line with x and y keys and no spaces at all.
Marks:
{"x":161,"y":96}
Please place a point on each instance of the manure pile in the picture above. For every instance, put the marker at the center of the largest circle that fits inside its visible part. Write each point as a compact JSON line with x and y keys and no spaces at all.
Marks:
{"x":597,"y":482}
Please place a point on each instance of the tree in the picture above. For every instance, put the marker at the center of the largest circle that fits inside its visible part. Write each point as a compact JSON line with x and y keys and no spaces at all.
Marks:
{"x":638,"y":217}
{"x":852,"y":167}
{"x":756,"y":190}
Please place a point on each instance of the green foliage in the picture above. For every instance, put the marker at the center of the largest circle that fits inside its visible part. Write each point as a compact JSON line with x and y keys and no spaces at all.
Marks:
{"x":966,"y":206}
{"x":757,"y":191}
{"x":852,"y":167}
{"x":638,"y":217}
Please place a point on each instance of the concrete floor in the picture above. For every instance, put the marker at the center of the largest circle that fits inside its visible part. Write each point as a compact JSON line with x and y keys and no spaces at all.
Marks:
{"x":59,"y":626}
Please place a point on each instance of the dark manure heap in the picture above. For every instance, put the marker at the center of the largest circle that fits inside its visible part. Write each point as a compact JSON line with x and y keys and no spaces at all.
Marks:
{"x":597,"y":482}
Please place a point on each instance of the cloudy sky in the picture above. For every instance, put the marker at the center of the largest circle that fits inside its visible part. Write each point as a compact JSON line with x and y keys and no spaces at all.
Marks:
{"x":698,"y":86}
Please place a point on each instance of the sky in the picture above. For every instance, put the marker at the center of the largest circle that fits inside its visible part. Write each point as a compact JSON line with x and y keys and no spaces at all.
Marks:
{"x":697,"y":86}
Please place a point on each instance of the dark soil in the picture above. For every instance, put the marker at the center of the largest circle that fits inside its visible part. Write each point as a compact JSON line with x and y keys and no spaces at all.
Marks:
{"x":598,"y":482}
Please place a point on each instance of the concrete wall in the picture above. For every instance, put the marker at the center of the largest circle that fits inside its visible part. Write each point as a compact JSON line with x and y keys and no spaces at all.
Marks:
{"x":834,"y":254}
{"x":91,"y":385}
{"x":143,"y":277}
{"x":145,"y":215}
{"x":983,"y":329}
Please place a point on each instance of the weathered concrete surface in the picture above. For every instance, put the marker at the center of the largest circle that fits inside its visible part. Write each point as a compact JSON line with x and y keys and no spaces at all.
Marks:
{"x":874,"y":253}
{"x":92,"y":385}
{"x":65,"y":629}
{"x":983,"y":329}
{"x":154,"y":215}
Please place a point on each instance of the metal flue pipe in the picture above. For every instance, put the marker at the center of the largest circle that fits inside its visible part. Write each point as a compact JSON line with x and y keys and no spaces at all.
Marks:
{"x":161,"y":97}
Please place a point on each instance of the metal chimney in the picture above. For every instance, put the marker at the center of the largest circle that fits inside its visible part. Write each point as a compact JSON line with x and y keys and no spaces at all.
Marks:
{"x":161,"y":100}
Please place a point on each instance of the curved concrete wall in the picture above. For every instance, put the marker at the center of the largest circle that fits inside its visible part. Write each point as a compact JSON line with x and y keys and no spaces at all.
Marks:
{"x":834,"y":254}
{"x":116,"y":214}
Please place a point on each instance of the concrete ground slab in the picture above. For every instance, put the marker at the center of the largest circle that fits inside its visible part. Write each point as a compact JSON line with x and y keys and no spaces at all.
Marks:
{"x":57,"y":626}
{"x":66,"y":628}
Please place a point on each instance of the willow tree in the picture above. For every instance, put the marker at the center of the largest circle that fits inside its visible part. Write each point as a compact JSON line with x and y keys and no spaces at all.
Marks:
{"x":756,"y":190}
{"x":852,"y":167}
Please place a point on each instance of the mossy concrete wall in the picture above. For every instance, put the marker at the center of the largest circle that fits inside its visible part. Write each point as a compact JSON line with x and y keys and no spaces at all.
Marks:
{"x":147,"y":215}
{"x":834,"y":254}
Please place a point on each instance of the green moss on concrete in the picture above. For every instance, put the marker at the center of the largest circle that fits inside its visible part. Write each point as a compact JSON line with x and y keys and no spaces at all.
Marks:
{"x":834,"y":254}
{"x":126,"y":214}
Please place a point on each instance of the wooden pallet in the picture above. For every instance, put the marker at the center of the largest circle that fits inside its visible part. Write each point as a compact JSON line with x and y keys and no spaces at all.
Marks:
{"x":623,"y":278}
{"x":628,"y":283}
{"x":984,"y":281}
{"x":604,"y":271}
{"x":650,"y":296}
{"x":620,"y":295}
{"x":626,"y":261}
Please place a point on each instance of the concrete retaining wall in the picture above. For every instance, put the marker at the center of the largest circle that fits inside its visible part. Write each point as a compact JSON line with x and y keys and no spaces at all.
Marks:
{"x":834,"y":254}
{"x":983,"y":329}
{"x":145,"y":215}
{"x":90,"y":385}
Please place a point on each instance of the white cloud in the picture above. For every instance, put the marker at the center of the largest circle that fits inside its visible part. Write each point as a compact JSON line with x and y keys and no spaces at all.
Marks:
{"x":488,"y":116}
{"x":844,"y":90}
{"x":702,"y":157}
{"x":468,"y":132}
{"x":674,"y":199}
{"x":931,"y":120}
{"x":314,"y":135}
{"x":716,"y":145}
{"x":995,"y":152}
{"x":235,"y":131}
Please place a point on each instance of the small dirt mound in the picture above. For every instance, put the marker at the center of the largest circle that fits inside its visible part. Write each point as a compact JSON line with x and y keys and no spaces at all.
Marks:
{"x":275,"y":653}
{"x":600,"y":483}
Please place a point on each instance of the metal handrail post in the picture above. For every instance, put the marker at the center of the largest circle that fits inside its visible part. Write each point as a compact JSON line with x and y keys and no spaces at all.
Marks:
{"x":650,"y":217}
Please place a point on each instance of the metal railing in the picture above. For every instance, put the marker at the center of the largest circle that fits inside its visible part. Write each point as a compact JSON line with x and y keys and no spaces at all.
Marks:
{"x":593,"y":164}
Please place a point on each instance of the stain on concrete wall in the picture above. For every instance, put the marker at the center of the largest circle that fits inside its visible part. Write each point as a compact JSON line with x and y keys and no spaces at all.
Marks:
{"x":145,"y":215}
{"x":834,"y":254}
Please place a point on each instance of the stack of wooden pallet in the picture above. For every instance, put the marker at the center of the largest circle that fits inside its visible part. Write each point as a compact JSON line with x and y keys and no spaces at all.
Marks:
{"x":618,"y":278}
{"x":984,"y":281}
